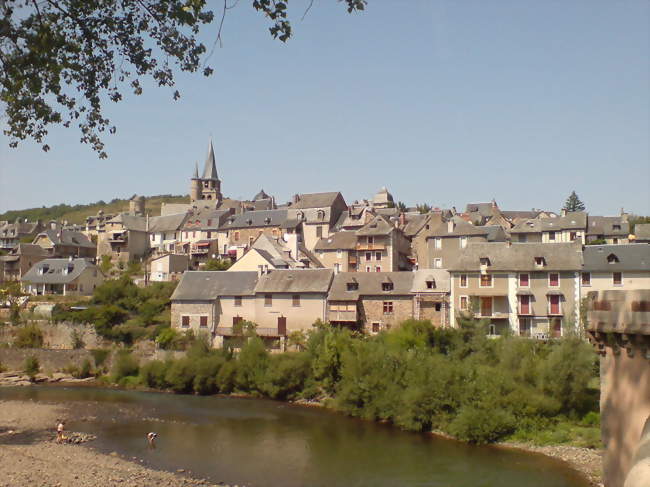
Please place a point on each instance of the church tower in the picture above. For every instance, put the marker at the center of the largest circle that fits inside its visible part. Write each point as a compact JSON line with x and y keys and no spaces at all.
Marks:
{"x":207,"y":188}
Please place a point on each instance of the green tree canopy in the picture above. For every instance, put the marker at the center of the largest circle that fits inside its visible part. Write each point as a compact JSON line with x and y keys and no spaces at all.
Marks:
{"x":61,"y":59}
{"x":573,"y":203}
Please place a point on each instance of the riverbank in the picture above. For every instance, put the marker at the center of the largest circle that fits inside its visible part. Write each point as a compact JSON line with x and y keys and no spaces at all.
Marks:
{"x":30,"y":456}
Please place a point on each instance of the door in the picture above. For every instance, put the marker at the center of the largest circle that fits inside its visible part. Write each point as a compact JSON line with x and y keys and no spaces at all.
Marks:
{"x":282,"y":326}
{"x":556,"y":327}
{"x":486,"y":306}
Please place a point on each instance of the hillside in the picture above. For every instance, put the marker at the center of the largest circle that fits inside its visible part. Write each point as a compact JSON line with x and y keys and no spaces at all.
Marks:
{"x":77,"y":213}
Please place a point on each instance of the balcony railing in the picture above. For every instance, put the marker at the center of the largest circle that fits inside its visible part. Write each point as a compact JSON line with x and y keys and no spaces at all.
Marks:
{"x":335,"y":315}
{"x":263,"y":332}
{"x":495,"y":315}
{"x":372,"y":246}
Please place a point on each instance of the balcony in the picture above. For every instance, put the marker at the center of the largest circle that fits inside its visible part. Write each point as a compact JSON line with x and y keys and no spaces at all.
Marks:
{"x":239,"y":331}
{"x":493,"y":315}
{"x":350,"y":316}
{"x":200,"y":250}
{"x":370,"y":246}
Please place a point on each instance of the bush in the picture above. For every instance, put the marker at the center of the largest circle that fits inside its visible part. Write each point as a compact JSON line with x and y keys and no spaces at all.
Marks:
{"x":125,"y":365}
{"x":31,"y":366}
{"x":86,"y":370}
{"x":479,"y":426}
{"x":29,"y":336}
{"x":180,"y":375}
{"x":251,"y":366}
{"x":285,"y":375}
{"x":100,"y":355}
{"x":152,"y":374}
{"x":76,"y":337}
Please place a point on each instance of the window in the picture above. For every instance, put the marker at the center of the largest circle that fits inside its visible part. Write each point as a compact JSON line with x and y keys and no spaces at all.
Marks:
{"x":209,"y":235}
{"x":193,"y":234}
{"x":438,"y":306}
{"x":378,"y":268}
{"x":554,"y":304}
{"x":367,"y":268}
{"x":203,"y":321}
{"x":540,"y":261}
{"x":524,"y":305}
{"x":431,"y":284}
{"x":296,"y":300}
{"x":238,"y":301}
{"x":437,"y":263}
{"x":640,"y":306}
{"x":586,"y":278}
{"x":236,"y":236}
{"x":463,"y":280}
{"x":486,"y":280}
{"x":437,"y":243}
{"x":377,"y":255}
{"x":554,"y":279}
{"x":485,"y":261}
{"x":463,"y":303}
{"x":524,"y":327}
{"x":352,"y":286}
{"x":375,"y":327}
{"x":615,"y":241}
{"x":612,"y":259}
{"x":185,"y":321}
{"x":524,"y":280}
{"x":492,"y":329}
{"x":463,"y":242}
{"x":371,"y":240}
{"x":368,"y":256}
{"x":386,"y":286}
{"x":268,"y":300}
{"x":617,"y":278}
{"x":388,"y":307}
{"x":319,"y":231}
{"x":572,"y":236}
{"x":551,"y":236}
{"x":523,"y":238}
{"x":616,"y":226}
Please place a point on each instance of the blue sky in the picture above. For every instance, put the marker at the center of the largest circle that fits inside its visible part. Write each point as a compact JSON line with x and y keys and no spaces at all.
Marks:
{"x":442,"y":102}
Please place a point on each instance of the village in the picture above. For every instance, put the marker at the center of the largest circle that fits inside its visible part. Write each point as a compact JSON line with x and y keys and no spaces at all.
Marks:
{"x":367,"y":265}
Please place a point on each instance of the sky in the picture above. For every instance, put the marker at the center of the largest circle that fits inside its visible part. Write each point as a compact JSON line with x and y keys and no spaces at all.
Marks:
{"x":443,"y":102}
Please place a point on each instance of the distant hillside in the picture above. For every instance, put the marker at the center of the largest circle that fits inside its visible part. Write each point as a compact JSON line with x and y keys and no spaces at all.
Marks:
{"x":78,"y":213}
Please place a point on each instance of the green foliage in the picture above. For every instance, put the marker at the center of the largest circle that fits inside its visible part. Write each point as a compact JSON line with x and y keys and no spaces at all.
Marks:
{"x":402,"y":207}
{"x":217,"y":265}
{"x":423,"y":208}
{"x":31,"y":366}
{"x":478,"y":425}
{"x":597,"y":241}
{"x":573,"y":203}
{"x":86,"y":370}
{"x":106,"y":265}
{"x":29,"y":336}
{"x":100,"y":355}
{"x":76,"y":338}
{"x":125,"y":365}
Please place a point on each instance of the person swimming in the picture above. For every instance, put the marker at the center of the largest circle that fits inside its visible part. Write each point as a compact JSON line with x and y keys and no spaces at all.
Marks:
{"x":151,"y":438}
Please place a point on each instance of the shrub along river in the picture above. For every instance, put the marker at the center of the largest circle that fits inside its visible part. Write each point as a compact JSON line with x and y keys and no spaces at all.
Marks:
{"x":262,"y":443}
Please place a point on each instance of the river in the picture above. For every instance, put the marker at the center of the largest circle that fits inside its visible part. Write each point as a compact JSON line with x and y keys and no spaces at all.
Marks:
{"x":262,"y":443}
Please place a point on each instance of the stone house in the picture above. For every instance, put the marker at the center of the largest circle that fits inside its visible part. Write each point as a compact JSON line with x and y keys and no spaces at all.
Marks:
{"x":449,"y":239}
{"x":125,"y":238}
{"x":533,"y":289}
{"x":318,"y":213}
{"x":20,"y":259}
{"x":291,"y":300}
{"x":431,"y":296}
{"x":65,"y":243}
{"x":204,"y":225}
{"x":642,"y":233}
{"x":611,"y":267}
{"x":12,"y":233}
{"x":353,"y":218}
{"x":370,"y":301}
{"x":62,"y":276}
{"x":213,"y":302}
{"x":168,"y":267}
{"x":244,"y":228}
{"x":338,"y":251}
{"x":612,"y":229}
{"x":383,"y":199}
{"x":382,"y":247}
{"x":95,"y":224}
{"x":267,"y":253}
{"x":569,"y":227}
{"x":417,"y":229}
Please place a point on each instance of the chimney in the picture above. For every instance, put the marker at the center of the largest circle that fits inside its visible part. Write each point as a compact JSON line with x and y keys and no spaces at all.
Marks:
{"x":494,"y":203}
{"x":292,"y":244}
{"x":402,"y":220}
{"x":563,"y":212}
{"x":296,"y":198}
{"x":451,"y":226}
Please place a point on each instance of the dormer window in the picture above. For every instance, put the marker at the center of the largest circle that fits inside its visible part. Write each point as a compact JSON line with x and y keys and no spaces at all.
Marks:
{"x":616,"y":227}
{"x":352,"y":286}
{"x":267,"y":220}
{"x":431,"y":284}
{"x":612,"y":259}
{"x":540,"y":261}
{"x":485,"y":261}
{"x":249,"y":222}
{"x":386,"y":286}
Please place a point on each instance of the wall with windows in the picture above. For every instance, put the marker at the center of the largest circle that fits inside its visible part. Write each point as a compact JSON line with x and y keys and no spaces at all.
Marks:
{"x":602,"y":281}
{"x":300,"y":313}
{"x":330,"y":258}
{"x":387,"y":311}
{"x":230,"y":308}
{"x":198,"y":316}
{"x":447,"y":249}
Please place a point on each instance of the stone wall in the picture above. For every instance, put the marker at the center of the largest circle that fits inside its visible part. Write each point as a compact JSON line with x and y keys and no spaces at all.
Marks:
{"x":49,"y":360}
{"x":59,"y":336}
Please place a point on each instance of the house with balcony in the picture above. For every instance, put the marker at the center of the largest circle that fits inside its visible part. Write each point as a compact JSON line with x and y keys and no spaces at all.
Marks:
{"x":624,"y":267}
{"x":125,"y":238}
{"x":12,"y":233}
{"x":610,"y":230}
{"x":20,"y":259}
{"x":431,"y":296}
{"x":382,"y":247}
{"x":213,"y":303}
{"x":531,"y":289}
{"x":569,"y":227}
{"x":62,"y":276}
{"x":202,"y":235}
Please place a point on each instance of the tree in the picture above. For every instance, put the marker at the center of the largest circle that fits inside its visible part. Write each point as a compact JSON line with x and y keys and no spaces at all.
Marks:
{"x":401,"y":206}
{"x":573,"y":203}
{"x":61,"y":59}
{"x":217,"y":265}
{"x":423,"y":208}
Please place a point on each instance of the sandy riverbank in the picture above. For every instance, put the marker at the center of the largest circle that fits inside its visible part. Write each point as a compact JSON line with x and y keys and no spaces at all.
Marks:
{"x":29,"y":455}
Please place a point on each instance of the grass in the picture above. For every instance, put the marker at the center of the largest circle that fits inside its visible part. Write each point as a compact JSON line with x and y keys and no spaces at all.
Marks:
{"x":564,"y":432}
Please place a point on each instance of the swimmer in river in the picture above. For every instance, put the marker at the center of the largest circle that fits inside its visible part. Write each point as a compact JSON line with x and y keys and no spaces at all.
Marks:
{"x":59,"y":432}
{"x":151,"y":438}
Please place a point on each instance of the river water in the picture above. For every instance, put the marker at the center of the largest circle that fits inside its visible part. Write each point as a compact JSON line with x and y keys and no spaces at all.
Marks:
{"x":262,"y":443}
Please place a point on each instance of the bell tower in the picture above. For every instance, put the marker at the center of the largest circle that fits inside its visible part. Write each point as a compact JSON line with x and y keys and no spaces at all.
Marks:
{"x":207,"y":187}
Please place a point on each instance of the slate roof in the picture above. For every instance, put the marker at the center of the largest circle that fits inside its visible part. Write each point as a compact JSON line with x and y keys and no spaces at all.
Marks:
{"x":415,"y":223}
{"x":370,"y":284}
{"x":337,"y":241}
{"x":169,"y":223}
{"x":261,"y":196}
{"x":576,"y":220}
{"x":315,"y":200}
{"x":461,"y":228}
{"x":511,"y":215}
{"x":642,"y":231}
{"x":440,"y":278}
{"x":483,"y":209}
{"x":631,"y":257}
{"x":604,"y":225}
{"x":130,"y":222}
{"x":519,"y":256}
{"x":210,"y":169}
{"x":377,"y":226}
{"x":209,"y":285}
{"x":28,"y":249}
{"x":295,"y":281}
{"x":55,"y":271}
{"x":67,"y":237}
{"x":264,"y":218}
{"x":206,"y":219}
